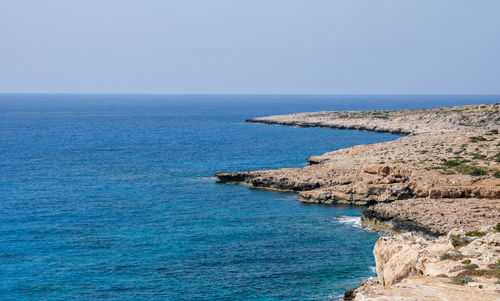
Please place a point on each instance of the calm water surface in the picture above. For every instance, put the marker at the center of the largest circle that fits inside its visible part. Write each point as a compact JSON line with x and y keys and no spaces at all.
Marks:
{"x":113,"y":198}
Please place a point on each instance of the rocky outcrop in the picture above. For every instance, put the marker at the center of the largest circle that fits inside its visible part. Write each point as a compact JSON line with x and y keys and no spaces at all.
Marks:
{"x":444,"y":175}
{"x":397,"y":122}
{"x":346,"y":125}
{"x":410,"y":267}
{"x":235,"y":178}
{"x":433,"y":217}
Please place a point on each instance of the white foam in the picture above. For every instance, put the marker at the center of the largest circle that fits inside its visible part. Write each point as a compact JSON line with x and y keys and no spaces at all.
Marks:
{"x":204,"y":179}
{"x":335,"y":297}
{"x":354,"y":221}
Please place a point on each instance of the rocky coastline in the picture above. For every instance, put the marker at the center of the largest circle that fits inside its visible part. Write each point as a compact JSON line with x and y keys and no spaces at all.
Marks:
{"x":438,"y":184}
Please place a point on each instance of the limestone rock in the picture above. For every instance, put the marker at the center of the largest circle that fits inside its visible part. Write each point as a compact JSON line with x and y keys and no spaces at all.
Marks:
{"x":411,"y":267}
{"x":439,"y":183}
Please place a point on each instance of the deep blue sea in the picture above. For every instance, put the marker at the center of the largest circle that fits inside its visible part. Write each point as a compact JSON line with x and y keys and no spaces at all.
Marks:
{"x":112,"y":197}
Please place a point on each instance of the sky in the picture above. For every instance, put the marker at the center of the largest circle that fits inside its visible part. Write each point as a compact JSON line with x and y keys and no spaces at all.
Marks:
{"x":250,"y":46}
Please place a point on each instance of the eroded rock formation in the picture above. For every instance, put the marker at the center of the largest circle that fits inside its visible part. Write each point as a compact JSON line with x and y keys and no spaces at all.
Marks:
{"x":460,"y":266}
{"x":444,"y":175}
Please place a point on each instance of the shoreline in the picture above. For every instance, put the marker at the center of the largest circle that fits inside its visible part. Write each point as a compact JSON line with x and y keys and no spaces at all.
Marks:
{"x":435,"y":185}
{"x":332,"y":126}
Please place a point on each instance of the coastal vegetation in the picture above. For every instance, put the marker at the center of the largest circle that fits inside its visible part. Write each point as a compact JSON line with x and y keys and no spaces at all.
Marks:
{"x":475,"y":233}
{"x":497,"y":228}
{"x":459,"y":240}
{"x":477,"y":139}
{"x":461,"y":166}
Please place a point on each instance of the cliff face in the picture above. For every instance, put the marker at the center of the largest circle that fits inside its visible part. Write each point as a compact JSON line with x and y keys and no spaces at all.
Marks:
{"x":444,"y":175}
{"x":460,"y":266}
{"x":433,"y":217}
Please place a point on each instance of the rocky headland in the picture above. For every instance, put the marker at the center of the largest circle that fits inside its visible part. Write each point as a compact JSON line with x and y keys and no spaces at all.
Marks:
{"x":439,"y":185}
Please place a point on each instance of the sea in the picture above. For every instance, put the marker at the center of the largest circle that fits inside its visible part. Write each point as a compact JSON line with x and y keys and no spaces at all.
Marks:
{"x":113,"y":197}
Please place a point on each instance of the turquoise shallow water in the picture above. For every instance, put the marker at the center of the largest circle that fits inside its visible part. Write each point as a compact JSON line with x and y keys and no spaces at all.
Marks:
{"x":113,"y":197}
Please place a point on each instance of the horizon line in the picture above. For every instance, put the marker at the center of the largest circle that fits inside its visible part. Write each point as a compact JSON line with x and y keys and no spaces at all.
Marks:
{"x":248,"y":94}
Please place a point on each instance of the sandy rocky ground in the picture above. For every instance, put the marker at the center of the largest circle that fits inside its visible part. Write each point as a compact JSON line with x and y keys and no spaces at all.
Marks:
{"x":438,"y":187}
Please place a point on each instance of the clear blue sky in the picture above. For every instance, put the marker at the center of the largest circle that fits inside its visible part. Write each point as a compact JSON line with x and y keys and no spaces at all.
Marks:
{"x":250,"y":46}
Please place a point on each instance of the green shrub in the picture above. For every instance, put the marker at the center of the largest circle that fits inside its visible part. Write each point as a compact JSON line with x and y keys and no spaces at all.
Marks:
{"x":477,"y":139}
{"x":478,"y":157}
{"x":486,"y":273}
{"x":492,"y":132}
{"x":497,"y":228}
{"x":461,"y":280}
{"x":453,"y":255}
{"x":496,"y":157}
{"x":472,"y":170}
{"x":445,"y":256}
{"x":475,"y":233}
{"x":453,"y":162}
{"x":496,"y":174}
{"x":471,"y":266}
{"x":458,"y":241}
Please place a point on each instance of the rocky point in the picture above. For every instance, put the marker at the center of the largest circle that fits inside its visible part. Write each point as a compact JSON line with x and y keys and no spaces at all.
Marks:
{"x":438,"y":185}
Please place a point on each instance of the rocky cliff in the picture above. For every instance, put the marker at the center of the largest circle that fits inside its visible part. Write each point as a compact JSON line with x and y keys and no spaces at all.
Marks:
{"x":459,"y":266}
{"x":443,"y":175}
